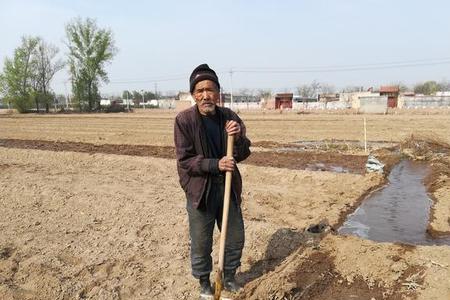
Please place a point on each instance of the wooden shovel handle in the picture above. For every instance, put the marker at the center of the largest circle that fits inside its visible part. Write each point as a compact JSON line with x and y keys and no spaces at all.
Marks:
{"x":226,"y":204}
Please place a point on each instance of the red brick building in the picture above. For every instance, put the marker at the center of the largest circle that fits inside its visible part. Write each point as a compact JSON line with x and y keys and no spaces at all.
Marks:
{"x":283,"y":100}
{"x":392,"y":93}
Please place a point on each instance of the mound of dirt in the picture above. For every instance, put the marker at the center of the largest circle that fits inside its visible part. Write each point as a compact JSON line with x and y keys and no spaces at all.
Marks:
{"x":317,"y":271}
{"x":424,"y":147}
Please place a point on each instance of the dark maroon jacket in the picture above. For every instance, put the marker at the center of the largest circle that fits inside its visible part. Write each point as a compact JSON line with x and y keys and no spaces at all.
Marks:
{"x":194,"y":163}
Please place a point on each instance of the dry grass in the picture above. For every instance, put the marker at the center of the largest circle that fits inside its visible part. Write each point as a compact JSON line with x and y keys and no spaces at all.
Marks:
{"x":425,"y":145}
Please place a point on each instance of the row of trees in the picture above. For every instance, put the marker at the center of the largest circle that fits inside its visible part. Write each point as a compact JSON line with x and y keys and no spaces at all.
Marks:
{"x":305,"y":90}
{"x":26,"y":77}
{"x":25,"y":80}
{"x":138,"y":96}
{"x":431,"y":87}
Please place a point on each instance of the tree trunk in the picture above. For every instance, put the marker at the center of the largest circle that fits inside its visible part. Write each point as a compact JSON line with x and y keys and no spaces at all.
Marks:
{"x":90,"y":95}
{"x":47,"y":110}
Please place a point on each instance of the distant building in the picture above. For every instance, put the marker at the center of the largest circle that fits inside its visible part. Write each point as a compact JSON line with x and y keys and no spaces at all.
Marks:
{"x":184,"y":100}
{"x":105,"y":102}
{"x":330,"y":97}
{"x":283,"y":100}
{"x":153,"y":103}
{"x":279,"y":101}
{"x":424,"y":101}
{"x":226,"y":98}
{"x":392,"y":92}
{"x":353,"y":98}
{"x":373,"y":104}
{"x":300,"y":99}
{"x":185,"y":96}
{"x":128,"y":102}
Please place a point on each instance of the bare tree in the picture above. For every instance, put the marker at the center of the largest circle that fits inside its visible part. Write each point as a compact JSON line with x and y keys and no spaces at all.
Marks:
{"x":45,"y":70}
{"x":309,"y":90}
{"x":263,"y":93}
{"x":352,"y":89}
{"x":326,"y":88}
{"x":246,"y":94}
{"x":444,"y":85}
{"x":401,"y":86}
{"x":127,"y":95}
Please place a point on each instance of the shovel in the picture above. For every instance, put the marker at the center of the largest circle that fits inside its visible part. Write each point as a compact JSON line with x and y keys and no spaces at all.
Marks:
{"x":223,"y":232}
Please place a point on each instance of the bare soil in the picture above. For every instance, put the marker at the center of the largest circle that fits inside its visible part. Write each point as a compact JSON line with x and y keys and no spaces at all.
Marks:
{"x":156,"y":128}
{"x":135,"y":150}
{"x":319,"y":161}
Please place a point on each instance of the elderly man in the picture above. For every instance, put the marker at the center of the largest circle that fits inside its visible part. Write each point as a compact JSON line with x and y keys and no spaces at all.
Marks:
{"x":200,"y":139}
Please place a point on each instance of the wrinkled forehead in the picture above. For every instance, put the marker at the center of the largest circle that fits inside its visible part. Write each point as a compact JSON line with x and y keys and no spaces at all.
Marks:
{"x":206,"y":84}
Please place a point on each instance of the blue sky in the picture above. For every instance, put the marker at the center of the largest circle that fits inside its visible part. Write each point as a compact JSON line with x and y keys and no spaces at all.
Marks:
{"x":159,"y":40}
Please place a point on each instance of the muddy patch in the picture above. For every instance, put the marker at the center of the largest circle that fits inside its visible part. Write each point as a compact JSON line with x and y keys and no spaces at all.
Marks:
{"x":314,"y":161}
{"x":323,"y":145}
{"x":6,"y":252}
{"x":4,"y":166}
{"x":135,"y":150}
{"x":323,"y":167}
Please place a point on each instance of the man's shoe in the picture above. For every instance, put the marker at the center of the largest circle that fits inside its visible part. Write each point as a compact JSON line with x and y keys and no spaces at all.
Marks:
{"x":206,"y":292}
{"x":230,"y":283}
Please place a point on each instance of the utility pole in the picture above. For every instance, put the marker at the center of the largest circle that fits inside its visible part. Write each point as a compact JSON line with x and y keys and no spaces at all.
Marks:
{"x":231,"y":84}
{"x":143,"y":100}
{"x":156,"y":90}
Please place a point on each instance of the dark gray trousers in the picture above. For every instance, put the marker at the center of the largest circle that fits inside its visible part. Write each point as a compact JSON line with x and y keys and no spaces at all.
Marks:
{"x":201,"y":228}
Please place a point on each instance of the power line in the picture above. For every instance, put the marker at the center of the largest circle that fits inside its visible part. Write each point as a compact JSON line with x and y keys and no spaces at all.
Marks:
{"x":343,"y":69}
{"x":138,"y":80}
{"x":430,"y":60}
{"x":148,"y":80}
{"x":293,"y":70}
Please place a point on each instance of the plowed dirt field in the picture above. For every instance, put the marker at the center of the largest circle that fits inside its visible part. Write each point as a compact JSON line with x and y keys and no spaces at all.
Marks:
{"x":91,"y":208}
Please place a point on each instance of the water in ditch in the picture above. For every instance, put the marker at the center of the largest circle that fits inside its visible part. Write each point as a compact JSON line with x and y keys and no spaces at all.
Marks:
{"x":397,"y":213}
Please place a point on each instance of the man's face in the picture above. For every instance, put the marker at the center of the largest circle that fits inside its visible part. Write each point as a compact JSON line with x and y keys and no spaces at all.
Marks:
{"x":206,"y":95}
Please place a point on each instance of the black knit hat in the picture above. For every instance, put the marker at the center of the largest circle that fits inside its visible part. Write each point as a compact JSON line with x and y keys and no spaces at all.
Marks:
{"x":202,"y":72}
